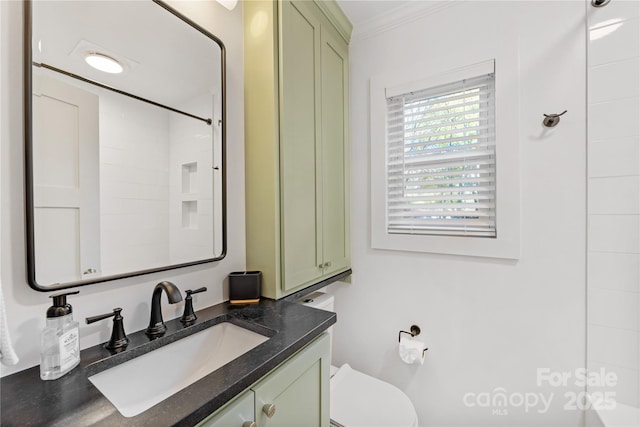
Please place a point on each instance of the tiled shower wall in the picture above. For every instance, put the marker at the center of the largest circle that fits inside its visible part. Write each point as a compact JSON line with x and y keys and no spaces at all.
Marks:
{"x":191,"y":177}
{"x":134,"y":184}
{"x":613,"y":316}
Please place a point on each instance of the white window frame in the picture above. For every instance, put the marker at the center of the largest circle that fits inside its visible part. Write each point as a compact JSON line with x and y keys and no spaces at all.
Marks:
{"x":506,"y":244}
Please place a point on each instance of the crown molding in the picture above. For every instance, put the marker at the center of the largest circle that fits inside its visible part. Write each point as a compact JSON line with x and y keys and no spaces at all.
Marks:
{"x":334,"y":13}
{"x":400,"y":16}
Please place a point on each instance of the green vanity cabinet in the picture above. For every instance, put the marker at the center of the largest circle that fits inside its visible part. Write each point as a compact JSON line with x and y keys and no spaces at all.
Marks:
{"x":296,"y":142}
{"x":294,"y":394}
{"x":297,"y":391}
{"x":239,"y":413}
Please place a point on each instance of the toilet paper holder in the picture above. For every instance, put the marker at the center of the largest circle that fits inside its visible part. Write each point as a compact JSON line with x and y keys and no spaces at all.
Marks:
{"x":415,"y":331}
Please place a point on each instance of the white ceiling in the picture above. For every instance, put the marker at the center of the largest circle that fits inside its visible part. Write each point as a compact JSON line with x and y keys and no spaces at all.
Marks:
{"x":361,"y":11}
{"x":165,"y":60}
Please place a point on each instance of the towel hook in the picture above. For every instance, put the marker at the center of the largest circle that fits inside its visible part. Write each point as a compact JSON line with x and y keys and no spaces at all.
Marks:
{"x":550,"y":120}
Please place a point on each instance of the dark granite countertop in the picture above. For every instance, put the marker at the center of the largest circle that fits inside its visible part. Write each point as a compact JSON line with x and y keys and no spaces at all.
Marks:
{"x":73,"y":401}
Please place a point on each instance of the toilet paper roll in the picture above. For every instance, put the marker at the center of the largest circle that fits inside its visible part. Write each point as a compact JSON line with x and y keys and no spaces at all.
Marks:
{"x":411,"y":350}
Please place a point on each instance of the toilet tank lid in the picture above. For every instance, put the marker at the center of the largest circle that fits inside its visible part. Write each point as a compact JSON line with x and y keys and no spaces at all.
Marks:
{"x":318,"y":300}
{"x":357,"y":399}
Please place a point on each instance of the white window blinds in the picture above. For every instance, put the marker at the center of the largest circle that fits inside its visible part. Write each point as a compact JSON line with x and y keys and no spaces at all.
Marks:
{"x":441,"y":160}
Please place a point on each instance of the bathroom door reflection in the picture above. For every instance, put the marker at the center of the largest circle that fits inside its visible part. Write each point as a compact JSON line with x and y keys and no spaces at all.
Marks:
{"x":66,"y":180}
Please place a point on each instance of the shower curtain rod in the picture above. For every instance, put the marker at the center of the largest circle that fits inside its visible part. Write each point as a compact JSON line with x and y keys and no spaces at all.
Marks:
{"x":121,"y":92}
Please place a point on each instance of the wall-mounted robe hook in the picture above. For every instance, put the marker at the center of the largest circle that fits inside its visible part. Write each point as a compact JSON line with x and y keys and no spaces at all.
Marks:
{"x":599,"y":3}
{"x":550,"y":120}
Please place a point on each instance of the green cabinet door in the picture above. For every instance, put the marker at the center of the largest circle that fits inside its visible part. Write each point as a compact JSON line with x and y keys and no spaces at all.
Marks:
{"x":301,"y":188}
{"x":335,"y":152}
{"x":314,"y":150}
{"x":238,"y":413}
{"x":297,"y":393}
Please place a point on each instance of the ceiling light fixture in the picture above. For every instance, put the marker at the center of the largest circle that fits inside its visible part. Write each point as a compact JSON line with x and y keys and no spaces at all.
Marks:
{"x":103,"y":62}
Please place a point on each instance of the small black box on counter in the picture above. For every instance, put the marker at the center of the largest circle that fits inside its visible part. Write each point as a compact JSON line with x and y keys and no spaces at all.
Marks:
{"x":245,"y":287}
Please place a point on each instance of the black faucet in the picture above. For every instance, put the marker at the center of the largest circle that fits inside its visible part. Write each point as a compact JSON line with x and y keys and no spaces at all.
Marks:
{"x":157,"y":327}
{"x":118,"y":339}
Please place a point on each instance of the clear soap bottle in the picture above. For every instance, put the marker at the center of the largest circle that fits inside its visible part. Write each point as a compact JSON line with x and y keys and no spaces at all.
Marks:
{"x":60,"y":339}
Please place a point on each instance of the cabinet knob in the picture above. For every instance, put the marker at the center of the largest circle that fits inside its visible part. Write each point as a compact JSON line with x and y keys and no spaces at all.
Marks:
{"x":249,"y":424}
{"x":320,"y":265}
{"x":269,"y":409}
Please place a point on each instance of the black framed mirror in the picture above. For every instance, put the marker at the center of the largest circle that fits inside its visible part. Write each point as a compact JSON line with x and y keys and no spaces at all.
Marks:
{"x":124,"y":141}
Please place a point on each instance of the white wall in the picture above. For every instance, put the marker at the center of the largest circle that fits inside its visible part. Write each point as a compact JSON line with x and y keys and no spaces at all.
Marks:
{"x":488,"y":323}
{"x":614,"y":198}
{"x":26,"y":307}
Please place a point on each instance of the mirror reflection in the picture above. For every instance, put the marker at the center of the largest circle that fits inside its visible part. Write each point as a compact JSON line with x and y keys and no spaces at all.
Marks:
{"x":126,"y":142}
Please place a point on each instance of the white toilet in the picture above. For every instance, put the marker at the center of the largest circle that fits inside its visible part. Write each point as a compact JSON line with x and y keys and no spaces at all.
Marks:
{"x":357,"y":399}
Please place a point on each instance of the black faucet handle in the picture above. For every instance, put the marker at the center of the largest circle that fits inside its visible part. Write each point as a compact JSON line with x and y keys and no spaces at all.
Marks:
{"x":189,"y":316}
{"x":189,"y":292}
{"x":93,"y":319}
{"x":118,"y":339}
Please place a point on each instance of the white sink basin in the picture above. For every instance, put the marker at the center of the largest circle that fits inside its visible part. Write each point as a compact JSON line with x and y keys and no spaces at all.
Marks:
{"x":137,"y":385}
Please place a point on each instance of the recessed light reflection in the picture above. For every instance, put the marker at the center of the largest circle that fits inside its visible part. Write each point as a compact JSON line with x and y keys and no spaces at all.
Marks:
{"x":103,"y":62}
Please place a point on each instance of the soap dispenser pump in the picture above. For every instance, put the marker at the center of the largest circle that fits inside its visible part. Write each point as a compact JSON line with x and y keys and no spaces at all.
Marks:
{"x":59,"y":343}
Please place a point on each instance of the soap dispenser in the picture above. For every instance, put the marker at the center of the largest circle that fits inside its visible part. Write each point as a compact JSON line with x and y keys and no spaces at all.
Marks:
{"x":59,"y":343}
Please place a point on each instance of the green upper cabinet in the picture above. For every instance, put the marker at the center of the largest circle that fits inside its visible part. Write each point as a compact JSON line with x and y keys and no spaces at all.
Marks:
{"x":296,"y":142}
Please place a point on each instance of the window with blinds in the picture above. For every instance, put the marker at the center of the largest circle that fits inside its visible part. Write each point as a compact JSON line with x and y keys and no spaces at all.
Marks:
{"x":441,"y":163}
